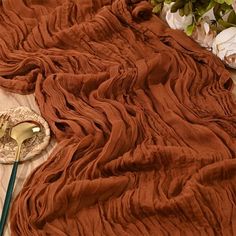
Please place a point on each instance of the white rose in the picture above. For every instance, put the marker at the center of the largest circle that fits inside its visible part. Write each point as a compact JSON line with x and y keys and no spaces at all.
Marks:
{"x":210,"y":15}
{"x":174,"y":20}
{"x":203,"y":34}
{"x":234,"y":5}
{"x":165,"y":9}
{"x":224,"y":46}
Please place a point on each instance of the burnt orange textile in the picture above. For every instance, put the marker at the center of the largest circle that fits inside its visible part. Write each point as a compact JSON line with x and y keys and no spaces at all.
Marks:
{"x":144,"y":119}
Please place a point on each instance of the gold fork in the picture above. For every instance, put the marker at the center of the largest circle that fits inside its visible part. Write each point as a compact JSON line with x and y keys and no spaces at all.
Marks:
{"x":3,"y":124}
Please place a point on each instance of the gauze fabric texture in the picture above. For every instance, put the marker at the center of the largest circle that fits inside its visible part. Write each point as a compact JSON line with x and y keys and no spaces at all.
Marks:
{"x":144,"y":118}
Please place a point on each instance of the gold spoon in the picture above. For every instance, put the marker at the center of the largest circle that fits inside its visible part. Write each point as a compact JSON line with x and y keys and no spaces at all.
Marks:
{"x":19,"y":132}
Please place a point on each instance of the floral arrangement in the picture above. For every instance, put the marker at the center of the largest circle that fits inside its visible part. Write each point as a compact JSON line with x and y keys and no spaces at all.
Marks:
{"x":212,"y":23}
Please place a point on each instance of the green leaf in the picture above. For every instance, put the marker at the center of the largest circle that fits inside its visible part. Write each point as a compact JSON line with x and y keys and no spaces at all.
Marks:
{"x":153,"y":2}
{"x":225,"y":7}
{"x":220,"y":1}
{"x":157,"y":9}
{"x":229,"y":2}
{"x":225,"y":24}
{"x":232,"y":17}
{"x":217,"y":11}
{"x":189,"y":30}
{"x":210,"y":5}
{"x":202,"y":10}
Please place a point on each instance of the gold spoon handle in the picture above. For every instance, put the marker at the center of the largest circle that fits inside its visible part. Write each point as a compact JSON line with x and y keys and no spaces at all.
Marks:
{"x":10,"y":189}
{"x":18,"y":152}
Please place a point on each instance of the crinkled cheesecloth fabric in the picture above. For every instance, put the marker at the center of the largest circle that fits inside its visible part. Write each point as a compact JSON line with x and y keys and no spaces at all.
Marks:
{"x":144,"y":118}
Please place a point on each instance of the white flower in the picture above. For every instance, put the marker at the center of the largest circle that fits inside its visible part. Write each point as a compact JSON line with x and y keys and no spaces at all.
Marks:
{"x":234,"y":5}
{"x":210,"y":15}
{"x":174,"y":20}
{"x":203,"y":34}
{"x":231,"y":60}
{"x":165,"y":9}
{"x":224,"y":46}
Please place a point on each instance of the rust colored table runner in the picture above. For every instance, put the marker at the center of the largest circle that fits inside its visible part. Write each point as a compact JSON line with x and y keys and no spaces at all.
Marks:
{"x":144,"y":119}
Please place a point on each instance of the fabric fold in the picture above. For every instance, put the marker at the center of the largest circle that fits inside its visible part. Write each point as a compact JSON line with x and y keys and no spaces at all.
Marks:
{"x":143,"y":116}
